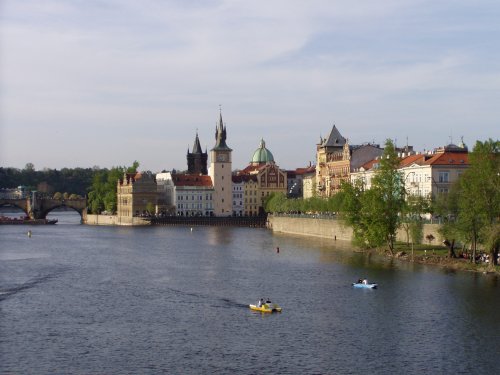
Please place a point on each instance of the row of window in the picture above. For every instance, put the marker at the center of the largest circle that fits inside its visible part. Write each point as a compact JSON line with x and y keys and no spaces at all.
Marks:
{"x":193,"y":206}
{"x":208,"y":197}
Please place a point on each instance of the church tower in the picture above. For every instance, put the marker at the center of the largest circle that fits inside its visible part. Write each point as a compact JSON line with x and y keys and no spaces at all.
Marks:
{"x":197,"y":160}
{"x":220,"y":172}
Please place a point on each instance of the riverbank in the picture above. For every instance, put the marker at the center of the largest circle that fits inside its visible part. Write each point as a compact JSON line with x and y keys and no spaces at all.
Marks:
{"x":438,"y":256}
{"x":431,"y":253}
{"x":333,"y":228}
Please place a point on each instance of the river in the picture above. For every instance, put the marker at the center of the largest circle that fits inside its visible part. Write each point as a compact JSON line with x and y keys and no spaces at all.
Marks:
{"x":77,"y":299}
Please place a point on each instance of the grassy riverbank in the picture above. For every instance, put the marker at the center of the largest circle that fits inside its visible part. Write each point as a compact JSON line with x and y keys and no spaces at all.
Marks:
{"x":438,"y":255}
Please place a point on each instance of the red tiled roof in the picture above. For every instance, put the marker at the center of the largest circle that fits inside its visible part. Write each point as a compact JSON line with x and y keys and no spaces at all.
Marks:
{"x":411,"y":159}
{"x":369,"y":165}
{"x":250,"y":169}
{"x":449,"y":158}
{"x":306,"y":170}
{"x":191,"y":180}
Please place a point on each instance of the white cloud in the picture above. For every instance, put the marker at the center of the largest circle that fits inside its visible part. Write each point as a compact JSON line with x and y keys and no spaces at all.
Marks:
{"x":150,"y":73}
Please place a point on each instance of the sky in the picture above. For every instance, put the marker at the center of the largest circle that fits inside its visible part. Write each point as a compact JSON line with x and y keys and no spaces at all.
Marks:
{"x":87,"y":83}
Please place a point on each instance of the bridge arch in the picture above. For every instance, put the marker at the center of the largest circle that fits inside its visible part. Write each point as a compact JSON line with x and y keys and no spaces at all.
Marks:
{"x":15,"y":203}
{"x":47,"y":208}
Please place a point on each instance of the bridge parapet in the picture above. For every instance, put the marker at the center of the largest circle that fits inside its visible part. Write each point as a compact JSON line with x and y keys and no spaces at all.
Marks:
{"x":19,"y":203}
{"x":37,"y":207}
{"x":45,"y":205}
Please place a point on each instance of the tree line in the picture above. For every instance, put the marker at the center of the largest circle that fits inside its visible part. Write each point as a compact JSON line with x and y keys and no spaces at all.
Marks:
{"x":71,"y":180}
{"x":471,"y":210}
{"x":97,"y":184}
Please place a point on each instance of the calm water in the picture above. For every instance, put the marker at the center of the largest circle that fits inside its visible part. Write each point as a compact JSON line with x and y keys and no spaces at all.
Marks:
{"x":81,"y":300}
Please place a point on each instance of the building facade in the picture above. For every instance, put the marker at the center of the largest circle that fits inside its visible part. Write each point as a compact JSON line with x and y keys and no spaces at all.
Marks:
{"x":425,"y":175}
{"x":264,"y":177}
{"x":336,"y":159}
{"x":220,"y":172}
{"x":197,"y":160}
{"x":137,"y":195}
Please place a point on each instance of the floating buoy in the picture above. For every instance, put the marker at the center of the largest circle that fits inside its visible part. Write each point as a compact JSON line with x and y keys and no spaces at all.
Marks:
{"x":278,"y":250}
{"x":29,"y":234}
{"x":191,"y":229}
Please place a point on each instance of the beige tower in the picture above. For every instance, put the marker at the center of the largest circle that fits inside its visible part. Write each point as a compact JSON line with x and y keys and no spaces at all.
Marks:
{"x":220,"y":172}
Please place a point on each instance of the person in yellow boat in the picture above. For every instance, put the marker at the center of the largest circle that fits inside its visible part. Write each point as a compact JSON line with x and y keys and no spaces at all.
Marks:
{"x":259,"y":304}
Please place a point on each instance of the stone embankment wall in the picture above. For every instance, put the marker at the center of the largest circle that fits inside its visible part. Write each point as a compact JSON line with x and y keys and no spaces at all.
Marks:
{"x":333,"y":228}
{"x":310,"y":226}
{"x":114,"y":220}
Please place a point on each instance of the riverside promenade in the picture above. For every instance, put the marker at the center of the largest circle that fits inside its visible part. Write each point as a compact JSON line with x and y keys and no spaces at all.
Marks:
{"x":326,"y":226}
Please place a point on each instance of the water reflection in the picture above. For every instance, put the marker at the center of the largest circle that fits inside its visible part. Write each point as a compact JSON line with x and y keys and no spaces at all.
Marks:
{"x":65,"y":216}
{"x":176,"y":300}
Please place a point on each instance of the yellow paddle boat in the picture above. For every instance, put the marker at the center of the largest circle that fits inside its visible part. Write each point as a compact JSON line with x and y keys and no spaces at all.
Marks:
{"x":265,"y":307}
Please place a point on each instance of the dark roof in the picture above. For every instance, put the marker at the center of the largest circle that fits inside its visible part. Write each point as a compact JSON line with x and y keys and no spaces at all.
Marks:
{"x":334,"y":139}
{"x":197,"y":146}
{"x":220,"y":136}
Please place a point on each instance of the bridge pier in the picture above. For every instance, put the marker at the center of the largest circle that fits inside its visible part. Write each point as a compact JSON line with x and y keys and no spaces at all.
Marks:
{"x":37,"y":207}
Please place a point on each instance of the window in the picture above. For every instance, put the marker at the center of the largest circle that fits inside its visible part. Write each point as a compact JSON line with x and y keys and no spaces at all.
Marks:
{"x":444,"y":177}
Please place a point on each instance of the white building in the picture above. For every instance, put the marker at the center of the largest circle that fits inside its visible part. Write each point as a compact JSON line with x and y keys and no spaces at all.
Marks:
{"x":426,"y":175}
{"x":238,"y":191}
{"x":187,"y":194}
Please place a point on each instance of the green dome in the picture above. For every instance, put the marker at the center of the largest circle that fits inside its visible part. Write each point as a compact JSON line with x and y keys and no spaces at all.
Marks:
{"x":262,"y":155}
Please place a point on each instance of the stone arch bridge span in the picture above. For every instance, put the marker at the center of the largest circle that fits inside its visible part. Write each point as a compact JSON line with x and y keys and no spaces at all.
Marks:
{"x":37,"y":207}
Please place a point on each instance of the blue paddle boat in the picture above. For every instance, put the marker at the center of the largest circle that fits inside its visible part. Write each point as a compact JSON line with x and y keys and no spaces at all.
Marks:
{"x":364,"y":284}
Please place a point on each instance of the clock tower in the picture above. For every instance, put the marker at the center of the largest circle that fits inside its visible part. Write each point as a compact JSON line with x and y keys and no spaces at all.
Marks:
{"x":220,"y":172}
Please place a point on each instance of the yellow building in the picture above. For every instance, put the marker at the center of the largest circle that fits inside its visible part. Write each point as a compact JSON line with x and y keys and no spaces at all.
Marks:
{"x":267,"y":178}
{"x":136,"y":195}
{"x":336,"y":159}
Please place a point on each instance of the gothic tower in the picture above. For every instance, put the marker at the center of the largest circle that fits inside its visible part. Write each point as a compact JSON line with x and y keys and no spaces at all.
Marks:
{"x":220,"y":172}
{"x":197,"y":160}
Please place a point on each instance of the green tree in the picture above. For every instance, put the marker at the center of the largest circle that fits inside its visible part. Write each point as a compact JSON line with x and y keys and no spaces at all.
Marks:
{"x":104,"y":185}
{"x":412,"y":224}
{"x":389,"y":193}
{"x":30,"y":167}
{"x":352,"y":211}
{"x":150,"y":208}
{"x":479,"y":197}
{"x":445,"y":206}
{"x":375,"y":214}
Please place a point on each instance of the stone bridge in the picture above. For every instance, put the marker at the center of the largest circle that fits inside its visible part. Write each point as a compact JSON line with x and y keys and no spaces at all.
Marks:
{"x":37,"y":207}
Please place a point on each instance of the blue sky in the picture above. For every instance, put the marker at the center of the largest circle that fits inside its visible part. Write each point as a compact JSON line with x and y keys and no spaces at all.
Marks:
{"x":85,"y":83}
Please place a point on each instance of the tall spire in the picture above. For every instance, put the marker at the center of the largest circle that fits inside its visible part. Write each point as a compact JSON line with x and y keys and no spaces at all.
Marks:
{"x":220,"y":135}
{"x":197,"y":160}
{"x":197,"y":146}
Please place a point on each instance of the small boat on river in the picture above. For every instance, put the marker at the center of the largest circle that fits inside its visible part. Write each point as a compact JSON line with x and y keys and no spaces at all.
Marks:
{"x":365,"y":285}
{"x":266,"y":307}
